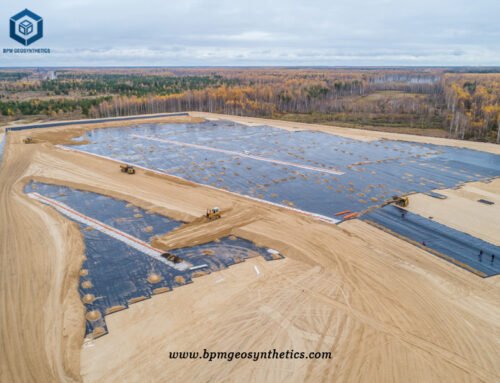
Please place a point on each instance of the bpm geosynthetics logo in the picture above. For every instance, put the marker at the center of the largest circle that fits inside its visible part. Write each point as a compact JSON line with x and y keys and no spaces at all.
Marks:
{"x":26,"y":27}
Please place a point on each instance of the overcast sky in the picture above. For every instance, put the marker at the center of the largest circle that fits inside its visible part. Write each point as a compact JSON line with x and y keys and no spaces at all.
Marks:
{"x":258,"y":32}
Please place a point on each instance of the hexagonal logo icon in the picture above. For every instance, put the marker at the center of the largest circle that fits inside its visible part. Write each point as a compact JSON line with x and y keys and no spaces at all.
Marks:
{"x":26,"y":27}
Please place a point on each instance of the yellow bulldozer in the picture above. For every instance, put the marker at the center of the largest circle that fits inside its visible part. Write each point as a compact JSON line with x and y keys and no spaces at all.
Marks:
{"x":213,"y":213}
{"x":400,"y":201}
{"x":127,"y":169}
{"x":396,"y":200}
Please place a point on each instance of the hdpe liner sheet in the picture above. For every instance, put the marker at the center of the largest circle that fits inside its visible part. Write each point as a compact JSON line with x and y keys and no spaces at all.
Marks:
{"x":372,"y":171}
{"x":2,"y":145}
{"x":436,"y":195}
{"x":115,"y":273}
{"x":463,"y":248}
{"x":93,"y":121}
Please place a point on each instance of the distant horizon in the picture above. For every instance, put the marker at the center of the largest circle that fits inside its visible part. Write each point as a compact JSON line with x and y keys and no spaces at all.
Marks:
{"x":282,"y":33}
{"x":485,"y":67}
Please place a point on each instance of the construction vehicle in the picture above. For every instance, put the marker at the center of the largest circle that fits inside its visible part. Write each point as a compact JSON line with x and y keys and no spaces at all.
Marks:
{"x":127,"y":169}
{"x":28,"y":140}
{"x":398,"y":200}
{"x":213,"y":213}
{"x":172,"y":257}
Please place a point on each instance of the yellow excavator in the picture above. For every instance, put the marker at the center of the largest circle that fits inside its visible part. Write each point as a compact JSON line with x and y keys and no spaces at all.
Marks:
{"x":213,"y":213}
{"x":28,"y":140}
{"x":127,"y":169}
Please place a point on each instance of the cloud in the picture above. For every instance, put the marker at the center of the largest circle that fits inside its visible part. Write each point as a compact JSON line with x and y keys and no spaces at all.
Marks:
{"x":282,"y":32}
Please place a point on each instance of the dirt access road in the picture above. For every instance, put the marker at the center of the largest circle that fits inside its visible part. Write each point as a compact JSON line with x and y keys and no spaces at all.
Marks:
{"x":386,"y":310}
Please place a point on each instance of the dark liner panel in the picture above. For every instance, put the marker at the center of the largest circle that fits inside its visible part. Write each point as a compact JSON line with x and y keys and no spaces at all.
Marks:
{"x":374,"y":171}
{"x":91,"y":121}
{"x":460,"y":248}
{"x":119,"y":273}
{"x":2,"y":146}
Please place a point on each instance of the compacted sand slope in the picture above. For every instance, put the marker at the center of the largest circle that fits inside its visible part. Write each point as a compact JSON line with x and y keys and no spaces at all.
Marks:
{"x":40,"y":253}
{"x":386,"y":310}
{"x":462,"y":211}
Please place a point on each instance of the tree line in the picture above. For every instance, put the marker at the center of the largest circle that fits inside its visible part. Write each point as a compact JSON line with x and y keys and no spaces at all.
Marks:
{"x":466,"y":105}
{"x":473,"y":105}
{"x":50,"y":107}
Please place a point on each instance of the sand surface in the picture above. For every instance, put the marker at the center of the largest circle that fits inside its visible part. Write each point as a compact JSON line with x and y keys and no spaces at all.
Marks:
{"x":386,"y":310}
{"x":462,"y":211}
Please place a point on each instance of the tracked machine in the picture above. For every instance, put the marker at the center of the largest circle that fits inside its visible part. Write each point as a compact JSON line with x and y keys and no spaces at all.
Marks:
{"x":127,"y":169}
{"x":213,"y":213}
{"x":399,"y":201}
{"x":172,"y":257}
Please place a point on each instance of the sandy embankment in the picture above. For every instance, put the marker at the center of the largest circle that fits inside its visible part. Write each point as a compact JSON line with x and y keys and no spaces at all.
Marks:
{"x":386,"y":310}
{"x":40,"y":256}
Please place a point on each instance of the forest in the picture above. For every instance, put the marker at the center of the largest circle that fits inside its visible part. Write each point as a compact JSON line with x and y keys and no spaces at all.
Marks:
{"x":447,"y":102}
